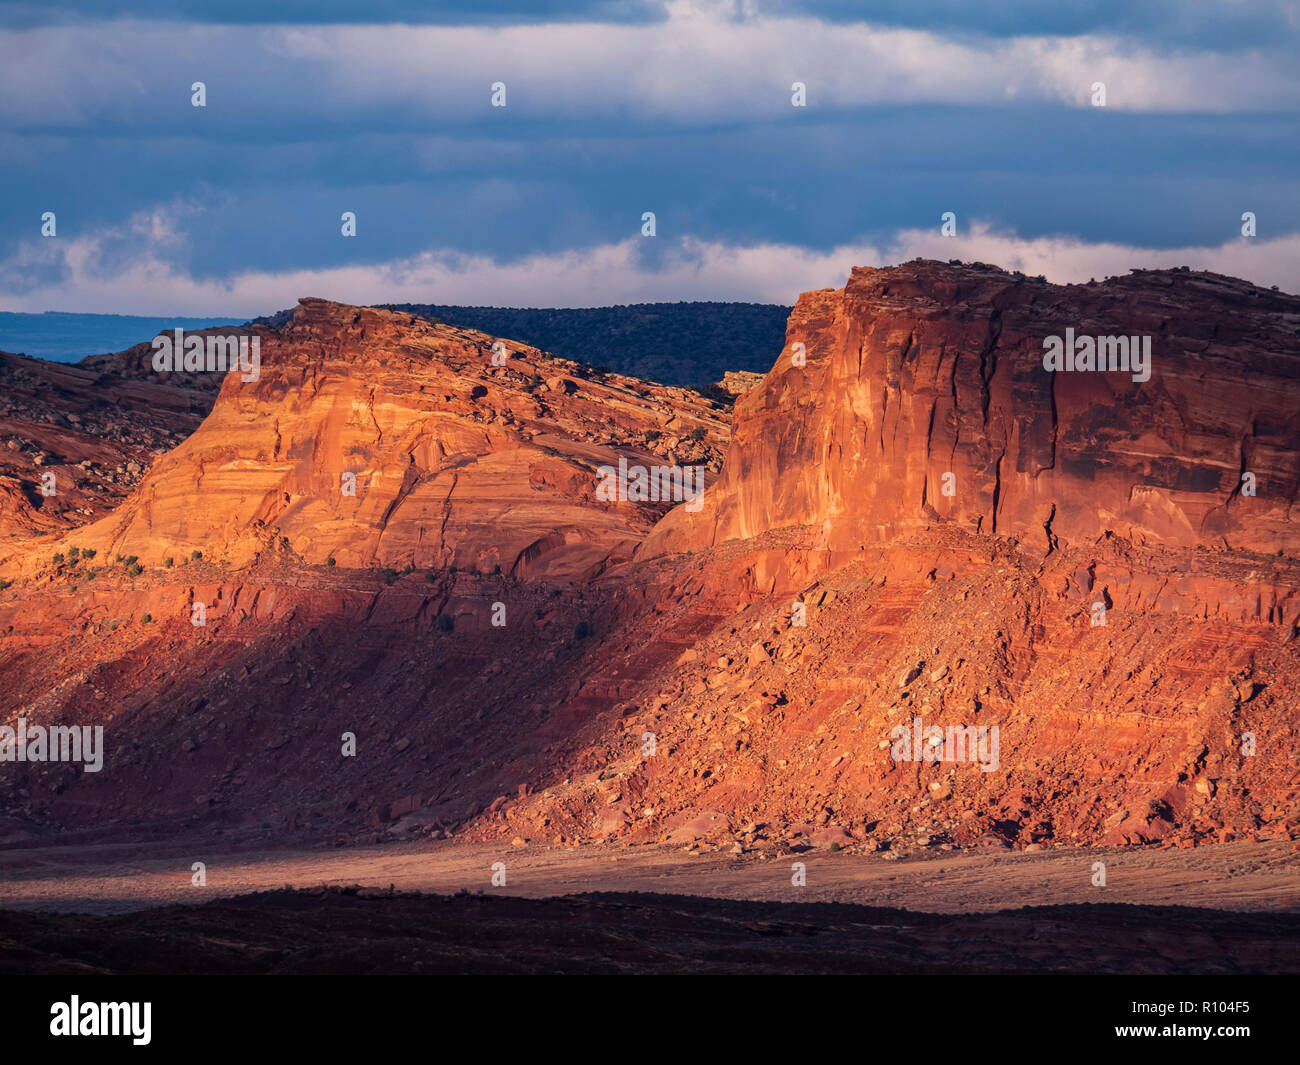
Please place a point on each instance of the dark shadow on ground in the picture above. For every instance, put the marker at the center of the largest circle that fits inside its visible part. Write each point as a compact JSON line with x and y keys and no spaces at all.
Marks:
{"x":361,"y":930}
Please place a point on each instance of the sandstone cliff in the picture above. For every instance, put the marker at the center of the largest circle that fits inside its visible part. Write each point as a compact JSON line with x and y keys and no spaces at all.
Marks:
{"x":925,"y":370}
{"x":378,"y":439}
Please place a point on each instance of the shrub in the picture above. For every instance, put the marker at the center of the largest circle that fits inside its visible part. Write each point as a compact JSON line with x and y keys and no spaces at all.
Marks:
{"x":330,"y":562}
{"x":146,"y":619}
{"x":89,"y":552}
{"x":58,"y":557}
{"x":74,"y":553}
{"x":582,"y":630}
{"x":431,"y":577}
{"x":130,"y":560}
{"x":697,"y":434}
{"x":196,"y":555}
{"x":445,"y":623}
{"x":134,"y":569}
{"x":390,"y":576}
{"x":169,"y":562}
{"x":4,"y":584}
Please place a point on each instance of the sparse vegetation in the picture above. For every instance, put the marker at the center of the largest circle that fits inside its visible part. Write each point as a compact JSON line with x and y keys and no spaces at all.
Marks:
{"x":582,"y":630}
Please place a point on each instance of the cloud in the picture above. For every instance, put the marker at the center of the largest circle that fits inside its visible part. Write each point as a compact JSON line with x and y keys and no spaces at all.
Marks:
{"x":90,"y":274}
{"x":698,"y":65}
{"x":1211,"y":24}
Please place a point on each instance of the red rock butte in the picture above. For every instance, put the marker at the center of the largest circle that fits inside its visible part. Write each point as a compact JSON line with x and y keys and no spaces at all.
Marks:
{"x":912,"y":519}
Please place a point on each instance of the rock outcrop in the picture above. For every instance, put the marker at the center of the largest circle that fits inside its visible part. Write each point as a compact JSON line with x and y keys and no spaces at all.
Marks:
{"x":378,"y":439}
{"x":917,"y":396}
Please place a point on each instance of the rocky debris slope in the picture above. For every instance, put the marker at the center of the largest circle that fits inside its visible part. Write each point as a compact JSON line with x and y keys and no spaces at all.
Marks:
{"x":1162,"y":726}
{"x":136,"y":363}
{"x":96,"y":426}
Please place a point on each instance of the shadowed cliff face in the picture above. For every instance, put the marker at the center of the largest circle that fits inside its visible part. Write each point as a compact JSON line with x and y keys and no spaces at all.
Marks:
{"x":375,"y":438}
{"x":924,"y":400}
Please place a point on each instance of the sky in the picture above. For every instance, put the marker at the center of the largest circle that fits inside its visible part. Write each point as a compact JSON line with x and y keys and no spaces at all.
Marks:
{"x":615,"y":108}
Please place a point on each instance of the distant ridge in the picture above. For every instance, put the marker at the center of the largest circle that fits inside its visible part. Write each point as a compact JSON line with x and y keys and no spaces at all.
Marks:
{"x":672,"y":343}
{"x":689,"y":344}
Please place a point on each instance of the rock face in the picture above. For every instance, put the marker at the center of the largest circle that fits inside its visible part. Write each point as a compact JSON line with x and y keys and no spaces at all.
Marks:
{"x":1096,"y":589}
{"x":924,"y":401}
{"x":738,"y":382}
{"x":378,"y":439}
